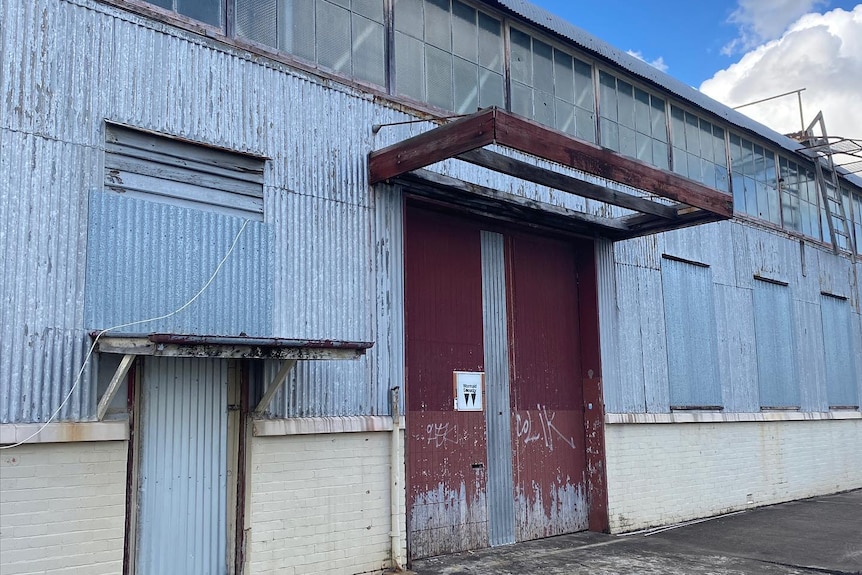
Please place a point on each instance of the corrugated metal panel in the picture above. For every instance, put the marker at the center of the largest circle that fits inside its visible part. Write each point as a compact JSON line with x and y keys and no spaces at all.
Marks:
{"x":498,"y":420}
{"x":627,"y":395}
{"x":689,"y":307}
{"x":642,"y":252}
{"x":322,"y":259}
{"x":183,"y":467}
{"x":811,"y":357}
{"x":608,"y":326}
{"x":388,"y":351}
{"x":857,"y":345}
{"x":324,"y":389}
{"x":776,"y":349}
{"x":42,"y":246}
{"x":146,"y":259}
{"x":841,"y":382}
{"x":765,"y":254}
{"x":836,"y":275}
{"x":653,"y":341}
{"x":709,"y":243}
{"x":736,"y":349}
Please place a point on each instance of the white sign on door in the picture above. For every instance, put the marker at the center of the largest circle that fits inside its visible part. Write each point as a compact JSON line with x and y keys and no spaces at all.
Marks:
{"x":468,"y":390}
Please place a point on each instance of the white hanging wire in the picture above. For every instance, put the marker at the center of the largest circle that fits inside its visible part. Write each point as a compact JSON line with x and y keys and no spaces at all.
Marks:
{"x":116,"y":327}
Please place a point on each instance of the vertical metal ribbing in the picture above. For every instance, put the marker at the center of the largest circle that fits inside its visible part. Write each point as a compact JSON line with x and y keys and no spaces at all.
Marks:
{"x":183,"y":476}
{"x":500,"y":489}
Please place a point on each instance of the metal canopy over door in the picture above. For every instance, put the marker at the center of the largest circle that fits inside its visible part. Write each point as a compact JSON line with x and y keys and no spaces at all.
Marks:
{"x":506,"y":304}
{"x":547,"y":396}
{"x":183,"y":468}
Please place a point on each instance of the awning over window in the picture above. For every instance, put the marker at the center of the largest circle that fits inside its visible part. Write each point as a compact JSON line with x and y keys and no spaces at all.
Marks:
{"x":667,"y":201}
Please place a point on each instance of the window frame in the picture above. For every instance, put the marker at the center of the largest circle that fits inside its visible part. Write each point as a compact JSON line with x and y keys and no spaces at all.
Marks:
{"x":574,"y":53}
{"x":714,"y":122}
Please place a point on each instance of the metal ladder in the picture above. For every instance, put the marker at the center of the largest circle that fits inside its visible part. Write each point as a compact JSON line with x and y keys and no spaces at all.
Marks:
{"x":819,"y":148}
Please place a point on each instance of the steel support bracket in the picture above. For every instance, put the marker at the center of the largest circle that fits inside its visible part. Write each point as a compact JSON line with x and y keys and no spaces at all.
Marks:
{"x":119,"y":377}
{"x":274,"y":386}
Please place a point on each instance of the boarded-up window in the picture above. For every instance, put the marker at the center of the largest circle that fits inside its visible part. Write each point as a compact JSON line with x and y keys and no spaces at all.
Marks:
{"x":841,"y":382}
{"x":776,"y":358}
{"x":148,"y":166}
{"x":692,"y":343}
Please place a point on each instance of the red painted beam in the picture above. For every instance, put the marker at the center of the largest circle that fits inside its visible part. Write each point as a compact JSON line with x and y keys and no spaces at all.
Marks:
{"x":433,"y":146}
{"x":540,"y":141}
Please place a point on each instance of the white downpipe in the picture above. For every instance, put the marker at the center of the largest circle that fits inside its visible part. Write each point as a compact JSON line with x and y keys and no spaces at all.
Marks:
{"x":394,"y":465}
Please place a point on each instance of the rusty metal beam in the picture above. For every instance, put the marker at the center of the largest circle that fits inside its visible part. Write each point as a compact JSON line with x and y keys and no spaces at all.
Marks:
{"x":537,"y":140}
{"x":465,"y":137}
{"x":526,"y":171}
{"x":433,"y":146}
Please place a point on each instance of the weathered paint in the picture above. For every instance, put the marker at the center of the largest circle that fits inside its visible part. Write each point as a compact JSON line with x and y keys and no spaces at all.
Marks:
{"x":446,"y":449}
{"x":588,"y":262}
{"x":547,"y":395}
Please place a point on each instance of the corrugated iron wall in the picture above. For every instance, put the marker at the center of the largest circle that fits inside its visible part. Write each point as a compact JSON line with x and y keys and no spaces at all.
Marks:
{"x":121,"y":67}
{"x":42,"y":247}
{"x":146,"y":259}
{"x":634,"y":334}
{"x":68,"y":65}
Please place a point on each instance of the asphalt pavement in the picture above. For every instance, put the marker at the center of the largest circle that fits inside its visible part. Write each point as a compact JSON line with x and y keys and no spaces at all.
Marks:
{"x":811,"y":536}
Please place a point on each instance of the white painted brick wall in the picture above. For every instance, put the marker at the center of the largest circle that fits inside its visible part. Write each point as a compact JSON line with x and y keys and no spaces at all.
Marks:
{"x":320,"y":504}
{"x":62,"y":508}
{"x":660,"y":474}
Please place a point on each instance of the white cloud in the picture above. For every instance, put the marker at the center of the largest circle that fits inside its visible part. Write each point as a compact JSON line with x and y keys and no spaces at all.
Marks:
{"x":819,"y":52}
{"x":760,"y":21}
{"x":657,"y":63}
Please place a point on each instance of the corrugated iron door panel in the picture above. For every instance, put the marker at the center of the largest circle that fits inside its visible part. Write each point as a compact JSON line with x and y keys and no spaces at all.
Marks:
{"x":547,"y":394}
{"x":446,"y":454}
{"x":501,"y":507}
{"x":183,"y":467}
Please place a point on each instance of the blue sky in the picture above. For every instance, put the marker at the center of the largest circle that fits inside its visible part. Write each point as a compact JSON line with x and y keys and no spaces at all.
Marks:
{"x":687,"y":34}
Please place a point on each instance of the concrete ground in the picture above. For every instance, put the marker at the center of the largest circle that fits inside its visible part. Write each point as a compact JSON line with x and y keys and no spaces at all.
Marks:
{"x":819,"y":535}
